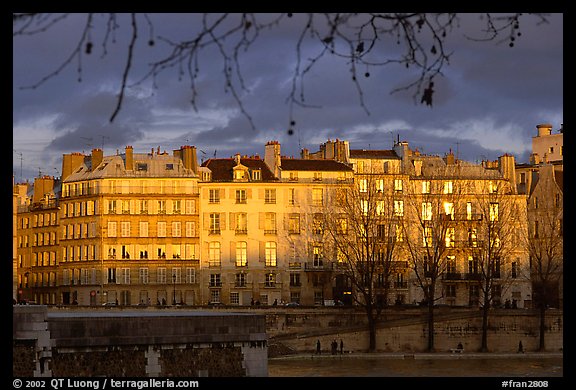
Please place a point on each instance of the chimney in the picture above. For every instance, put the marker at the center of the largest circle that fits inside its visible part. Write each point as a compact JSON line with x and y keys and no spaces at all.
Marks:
{"x":129,"y":158}
{"x":42,"y":186}
{"x":189,"y":159}
{"x":97,"y":157}
{"x":544,"y":129}
{"x":305,"y":154}
{"x":237,"y":159}
{"x":449,"y":159}
{"x":71,"y":162}
{"x":272,"y":157}
{"x":507,"y":168}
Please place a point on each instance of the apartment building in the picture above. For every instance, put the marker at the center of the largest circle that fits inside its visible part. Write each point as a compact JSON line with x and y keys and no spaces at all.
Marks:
{"x":466,"y":219}
{"x":154,"y":228}
{"x":259,"y":235}
{"x":129,"y":228}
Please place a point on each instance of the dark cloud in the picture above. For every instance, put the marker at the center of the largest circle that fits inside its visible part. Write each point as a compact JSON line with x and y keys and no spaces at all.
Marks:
{"x":488,"y":100}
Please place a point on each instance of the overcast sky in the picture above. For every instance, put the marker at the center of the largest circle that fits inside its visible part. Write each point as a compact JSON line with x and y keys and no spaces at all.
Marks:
{"x":487,"y":102}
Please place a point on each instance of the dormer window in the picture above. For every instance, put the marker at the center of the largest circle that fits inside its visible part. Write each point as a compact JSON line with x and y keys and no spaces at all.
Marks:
{"x":256,"y":174}
{"x":141,"y":167}
{"x":238,"y":174}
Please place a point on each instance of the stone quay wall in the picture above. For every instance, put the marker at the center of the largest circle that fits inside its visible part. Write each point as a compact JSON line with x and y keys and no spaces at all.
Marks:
{"x":124,"y":343}
{"x":406,"y":330}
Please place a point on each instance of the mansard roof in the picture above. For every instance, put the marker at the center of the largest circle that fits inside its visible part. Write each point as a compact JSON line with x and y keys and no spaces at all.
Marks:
{"x":296,"y":164}
{"x":222,"y":168}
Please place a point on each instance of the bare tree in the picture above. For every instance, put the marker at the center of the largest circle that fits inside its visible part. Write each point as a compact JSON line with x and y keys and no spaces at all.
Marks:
{"x":494,"y":243}
{"x":545,"y":244}
{"x":363,"y":40}
{"x":362,"y":226}
{"x":429,"y":233}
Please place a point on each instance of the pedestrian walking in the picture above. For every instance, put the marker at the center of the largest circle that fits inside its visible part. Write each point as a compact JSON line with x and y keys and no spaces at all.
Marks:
{"x":520,"y":347}
{"x":341,"y":347}
{"x":318,"y":350}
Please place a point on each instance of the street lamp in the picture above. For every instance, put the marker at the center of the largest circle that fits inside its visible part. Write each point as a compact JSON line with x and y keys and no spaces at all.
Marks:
{"x":174,"y":284}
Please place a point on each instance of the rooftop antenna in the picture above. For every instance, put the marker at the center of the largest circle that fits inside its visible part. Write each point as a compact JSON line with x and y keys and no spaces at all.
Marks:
{"x":88,"y":144}
{"x":203,"y":154}
{"x":457,"y":150}
{"x":21,"y":158}
{"x":103,"y":137}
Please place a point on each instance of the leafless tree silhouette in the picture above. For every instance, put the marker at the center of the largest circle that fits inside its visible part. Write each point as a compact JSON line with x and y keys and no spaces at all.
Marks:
{"x":363,"y":40}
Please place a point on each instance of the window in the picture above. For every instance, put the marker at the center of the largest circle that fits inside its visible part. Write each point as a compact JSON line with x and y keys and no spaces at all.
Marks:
{"x":270,"y":254}
{"x":161,"y":207}
{"x":215,"y":281}
{"x":317,"y":256}
{"x":270,"y":196}
{"x":472,"y":238}
{"x":398,"y":186}
{"x":380,"y":207}
{"x":111,"y":207}
{"x":317,"y":197}
{"x":161,"y":275}
{"x":143,"y":275}
{"x":270,"y":223}
{"x":161,"y":229}
{"x":493,"y":212}
{"x":380,"y":185}
{"x":492,"y":187}
{"x":215,"y":295}
{"x":214,"y":196}
{"x":125,"y":207}
{"x":449,"y":210}
{"x":449,"y":237}
{"x":317,"y":176}
{"x":176,"y":229}
{"x":141,"y":166}
{"x":256,"y":174}
{"x":426,"y":211}
{"x":317,"y":224}
{"x":143,"y":231}
{"x":293,"y":176}
{"x":176,"y":206}
{"x":450,"y":291}
{"x":214,"y":223}
{"x":241,"y":254}
{"x":399,"y":233}
{"x":342,"y":225}
{"x":190,"y":206}
{"x":451,"y":264}
{"x":295,"y":280}
{"x":292,"y":196}
{"x":111,"y":275}
{"x":399,"y":208}
{"x":190,"y":275}
{"x":364,"y":205}
{"x":112,"y":229}
{"x":240,"y":280}
{"x":427,"y":237}
{"x":190,"y":229}
{"x":241,"y":223}
{"x":214,"y":254}
{"x":270,"y":280}
{"x":294,"y":224}
{"x":125,"y":229}
{"x":514,"y":269}
{"x":241,"y":196}
{"x":472,"y":265}
{"x":448,"y":187}
{"x":469,"y":211}
{"x":363,"y":185}
{"x":143,"y":207}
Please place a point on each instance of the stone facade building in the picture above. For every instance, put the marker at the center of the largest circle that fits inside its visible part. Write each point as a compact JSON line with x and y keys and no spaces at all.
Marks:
{"x":154,"y":228}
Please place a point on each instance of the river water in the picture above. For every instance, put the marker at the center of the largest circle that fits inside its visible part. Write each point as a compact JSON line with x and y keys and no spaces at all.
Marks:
{"x":446,"y":366}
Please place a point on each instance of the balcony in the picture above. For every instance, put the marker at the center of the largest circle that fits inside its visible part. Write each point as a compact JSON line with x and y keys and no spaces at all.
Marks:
{"x":318,"y":265}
